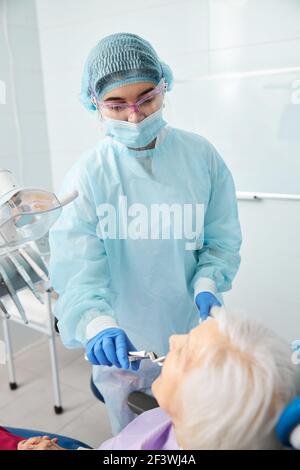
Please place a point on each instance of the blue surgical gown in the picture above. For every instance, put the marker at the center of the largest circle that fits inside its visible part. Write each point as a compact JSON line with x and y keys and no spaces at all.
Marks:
{"x":145,"y":285}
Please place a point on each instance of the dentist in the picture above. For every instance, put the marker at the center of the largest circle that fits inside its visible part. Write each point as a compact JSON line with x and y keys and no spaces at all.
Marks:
{"x":125,"y":286}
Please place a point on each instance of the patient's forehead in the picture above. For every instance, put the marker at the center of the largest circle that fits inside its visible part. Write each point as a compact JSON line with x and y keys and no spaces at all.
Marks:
{"x":207,"y":332}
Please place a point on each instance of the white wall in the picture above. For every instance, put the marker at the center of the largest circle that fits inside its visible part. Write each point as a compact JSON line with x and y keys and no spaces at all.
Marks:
{"x":69,"y":29}
{"x":23,"y":131}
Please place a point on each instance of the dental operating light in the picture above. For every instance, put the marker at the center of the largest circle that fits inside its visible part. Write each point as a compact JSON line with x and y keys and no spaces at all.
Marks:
{"x":26,"y":215}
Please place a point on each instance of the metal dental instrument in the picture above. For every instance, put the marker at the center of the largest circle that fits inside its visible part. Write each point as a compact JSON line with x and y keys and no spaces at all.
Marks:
{"x":16,"y":274}
{"x":22,"y":271}
{"x":13,"y":294}
{"x":36,"y":268}
{"x":3,"y":309}
{"x":139,"y":355}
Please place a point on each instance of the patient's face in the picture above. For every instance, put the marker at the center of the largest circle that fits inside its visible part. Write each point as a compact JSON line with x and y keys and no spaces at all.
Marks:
{"x":182,"y":358}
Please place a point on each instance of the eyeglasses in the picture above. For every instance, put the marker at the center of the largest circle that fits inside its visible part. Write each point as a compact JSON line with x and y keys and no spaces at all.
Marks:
{"x":147,"y":105}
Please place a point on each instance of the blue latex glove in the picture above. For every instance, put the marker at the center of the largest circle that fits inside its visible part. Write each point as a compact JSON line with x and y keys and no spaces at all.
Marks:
{"x":205,"y":301}
{"x":110,"y":347}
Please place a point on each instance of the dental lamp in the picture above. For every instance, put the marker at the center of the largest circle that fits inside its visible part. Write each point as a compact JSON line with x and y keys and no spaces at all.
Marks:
{"x":26,"y":215}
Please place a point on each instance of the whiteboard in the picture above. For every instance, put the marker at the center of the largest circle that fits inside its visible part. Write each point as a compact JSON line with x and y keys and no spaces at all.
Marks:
{"x":252,"y":120}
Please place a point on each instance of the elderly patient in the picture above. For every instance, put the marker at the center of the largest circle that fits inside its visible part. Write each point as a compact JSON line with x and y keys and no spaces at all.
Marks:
{"x":222,"y":386}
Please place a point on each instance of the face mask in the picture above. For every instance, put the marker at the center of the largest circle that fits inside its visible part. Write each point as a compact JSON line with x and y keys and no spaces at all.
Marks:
{"x":132,"y":134}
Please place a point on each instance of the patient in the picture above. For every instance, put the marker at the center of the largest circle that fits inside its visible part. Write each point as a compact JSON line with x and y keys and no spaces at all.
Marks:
{"x":222,"y":386}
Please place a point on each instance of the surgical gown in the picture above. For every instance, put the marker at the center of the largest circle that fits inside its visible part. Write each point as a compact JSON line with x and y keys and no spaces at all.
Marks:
{"x":144,"y":285}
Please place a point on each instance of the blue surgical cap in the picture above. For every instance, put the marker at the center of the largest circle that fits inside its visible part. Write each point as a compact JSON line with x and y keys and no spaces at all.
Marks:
{"x":121,"y":59}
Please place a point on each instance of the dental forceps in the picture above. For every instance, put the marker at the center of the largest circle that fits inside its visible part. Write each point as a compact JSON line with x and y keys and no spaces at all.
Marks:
{"x":139,"y":355}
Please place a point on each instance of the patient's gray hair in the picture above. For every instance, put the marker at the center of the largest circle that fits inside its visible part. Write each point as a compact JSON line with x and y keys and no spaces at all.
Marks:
{"x":234,"y":399}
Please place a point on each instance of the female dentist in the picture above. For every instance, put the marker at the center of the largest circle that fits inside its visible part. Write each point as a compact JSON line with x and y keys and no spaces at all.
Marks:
{"x":153,"y":237}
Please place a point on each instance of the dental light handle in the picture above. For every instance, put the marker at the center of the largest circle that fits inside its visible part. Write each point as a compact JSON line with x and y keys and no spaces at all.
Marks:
{"x":69,"y":198}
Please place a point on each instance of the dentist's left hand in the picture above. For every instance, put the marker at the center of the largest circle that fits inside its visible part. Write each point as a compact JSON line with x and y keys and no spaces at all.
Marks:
{"x":110,"y":347}
{"x":205,"y":301}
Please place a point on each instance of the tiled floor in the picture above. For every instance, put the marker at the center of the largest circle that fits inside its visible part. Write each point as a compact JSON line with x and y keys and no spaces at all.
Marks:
{"x":31,"y":405}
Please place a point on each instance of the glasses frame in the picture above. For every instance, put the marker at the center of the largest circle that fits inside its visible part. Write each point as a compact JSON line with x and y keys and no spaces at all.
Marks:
{"x":160,"y":88}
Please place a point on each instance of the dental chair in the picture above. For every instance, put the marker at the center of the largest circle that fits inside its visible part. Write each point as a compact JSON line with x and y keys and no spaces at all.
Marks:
{"x":138,"y":402}
{"x":287,"y":429}
{"x":63,"y":441}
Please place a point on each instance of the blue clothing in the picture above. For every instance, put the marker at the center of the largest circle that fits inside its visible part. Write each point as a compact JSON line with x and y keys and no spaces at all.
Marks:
{"x":205,"y":301}
{"x":145,"y":285}
{"x":111,"y":347}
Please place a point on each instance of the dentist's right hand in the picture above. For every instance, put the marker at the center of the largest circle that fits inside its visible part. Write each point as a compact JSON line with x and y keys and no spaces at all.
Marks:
{"x":110,"y":347}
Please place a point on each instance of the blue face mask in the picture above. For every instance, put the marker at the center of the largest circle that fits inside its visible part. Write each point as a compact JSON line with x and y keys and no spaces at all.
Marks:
{"x":132,"y":134}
